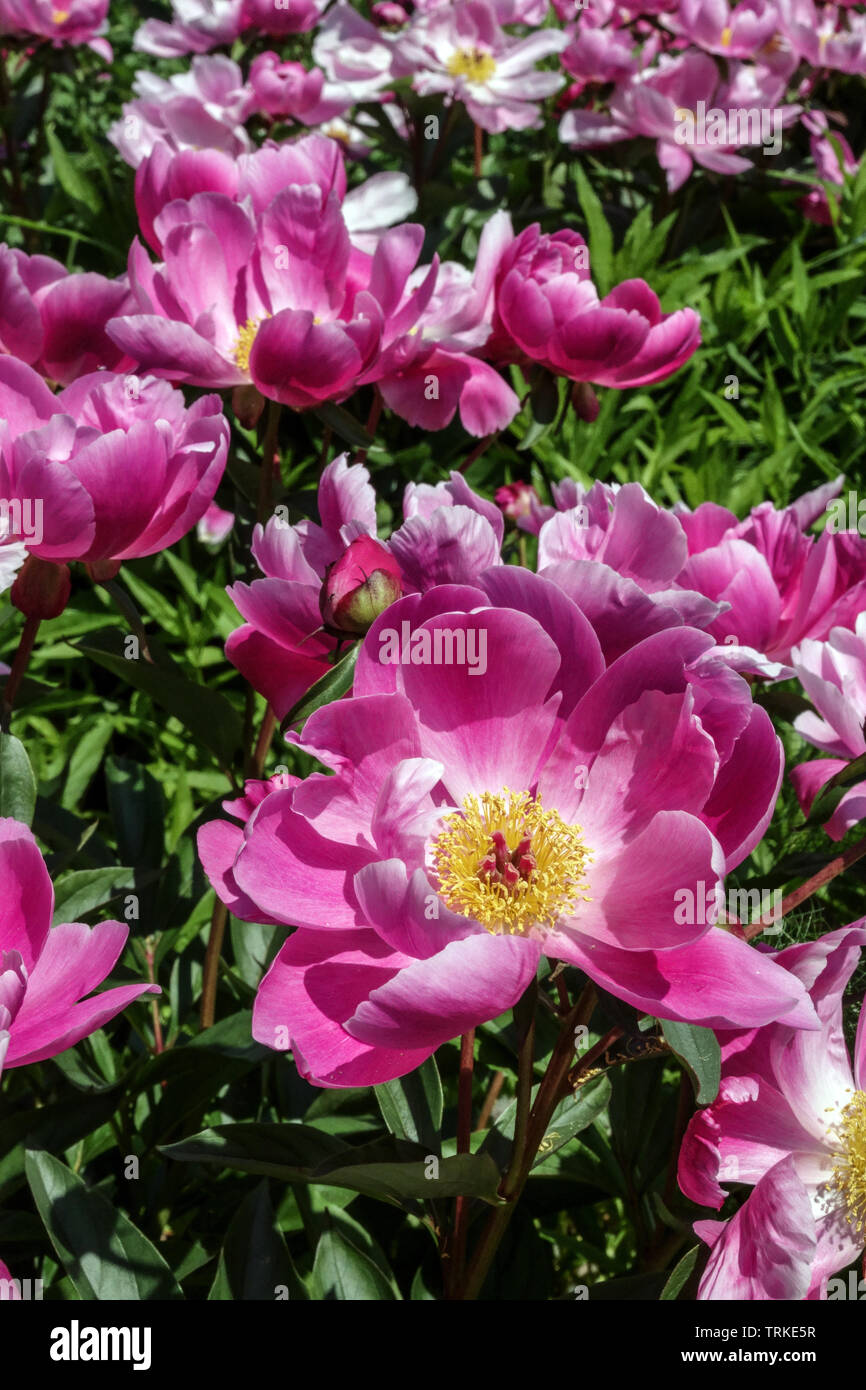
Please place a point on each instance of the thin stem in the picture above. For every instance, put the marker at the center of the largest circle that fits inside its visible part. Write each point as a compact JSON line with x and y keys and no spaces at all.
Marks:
{"x":269,"y":449}
{"x":210,"y":973}
{"x":263,"y":742}
{"x":820,"y":880}
{"x":372,"y":422}
{"x":20,"y":663}
{"x":479,"y":449}
{"x":490,"y":1100}
{"x":456,"y":1254}
{"x":479,"y":151}
{"x":546,"y":1100}
{"x":158,"y":1044}
{"x":589,"y":1058}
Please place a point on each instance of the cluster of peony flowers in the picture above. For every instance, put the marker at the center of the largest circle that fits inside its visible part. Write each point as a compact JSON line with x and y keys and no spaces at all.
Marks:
{"x":707,"y":81}
{"x":546,"y":763}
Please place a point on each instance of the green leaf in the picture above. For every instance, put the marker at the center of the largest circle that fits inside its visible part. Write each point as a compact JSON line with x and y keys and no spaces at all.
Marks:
{"x":254,"y":1263}
{"x":573,"y":1114}
{"x":84,"y":890}
{"x":343,"y":1272}
{"x":698,"y":1050}
{"x":207,"y":714}
{"x":600,"y":236}
{"x":338,"y":419}
{"x":137,"y":807}
{"x":333,"y":685}
{"x":17,"y":783}
{"x":70,"y":175}
{"x":392,"y":1170}
{"x":680,"y":1275}
{"x":411,"y":1106}
{"x":105,"y":1256}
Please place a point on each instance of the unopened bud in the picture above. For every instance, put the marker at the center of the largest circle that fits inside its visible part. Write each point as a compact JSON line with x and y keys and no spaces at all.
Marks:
{"x":585,"y":401}
{"x":516,"y":500}
{"x":42,"y":588}
{"x":359,"y":586}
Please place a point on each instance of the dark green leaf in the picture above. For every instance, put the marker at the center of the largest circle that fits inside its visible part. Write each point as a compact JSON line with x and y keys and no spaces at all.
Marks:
{"x":698,"y":1050}
{"x":17,"y":783}
{"x":411,"y":1106}
{"x":333,"y":685}
{"x":105,"y":1256}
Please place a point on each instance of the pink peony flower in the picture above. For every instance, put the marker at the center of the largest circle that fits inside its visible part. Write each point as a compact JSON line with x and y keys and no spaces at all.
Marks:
{"x":112,"y":468}
{"x":825,"y":37}
{"x":461,"y":50}
{"x":483,"y":811}
{"x":740,"y":30}
{"x":782,"y":585}
{"x":790,"y":1119}
{"x":196,"y":27}
{"x":77,"y":22}
{"x":833,"y":675}
{"x":203,"y":108}
{"x":282,"y":16}
{"x":289,"y":89}
{"x":46,"y":972}
{"x":356,"y":56}
{"x":54,"y":320}
{"x":283,"y":299}
{"x":693,"y":115}
{"x":547,"y":310}
{"x":447,"y":537}
{"x":166,"y":175}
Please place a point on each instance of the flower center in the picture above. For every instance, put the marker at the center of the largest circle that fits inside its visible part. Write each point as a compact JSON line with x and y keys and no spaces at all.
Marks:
{"x":473,"y":64}
{"x":59,"y":16}
{"x":244,"y":344}
{"x":849,"y":1172}
{"x":727,"y":35}
{"x":510,"y":864}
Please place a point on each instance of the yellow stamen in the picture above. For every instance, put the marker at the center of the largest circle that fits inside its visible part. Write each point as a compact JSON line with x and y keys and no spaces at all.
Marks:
{"x":473,"y":64}
{"x":544,"y":860}
{"x":849,"y":1172}
{"x":244,"y":344}
{"x":59,"y":16}
{"x":727,"y":35}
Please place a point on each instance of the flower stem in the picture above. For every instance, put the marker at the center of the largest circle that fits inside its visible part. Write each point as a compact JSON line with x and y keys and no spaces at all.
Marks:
{"x":269,"y":449}
{"x":820,"y":880}
{"x":210,"y":973}
{"x":20,"y":663}
{"x":547,"y":1098}
{"x":457,"y":1251}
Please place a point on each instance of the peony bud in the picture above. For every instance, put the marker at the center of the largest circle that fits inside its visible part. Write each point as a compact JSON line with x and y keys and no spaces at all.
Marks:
{"x":516,"y":500}
{"x":247,"y":404}
{"x":388,"y":15}
{"x":359,"y":586}
{"x":42,"y":588}
{"x":585,"y":401}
